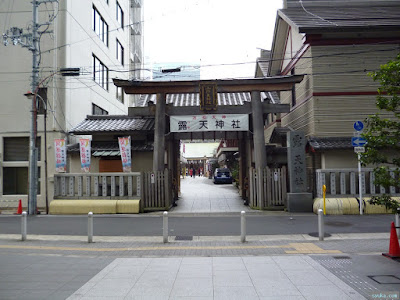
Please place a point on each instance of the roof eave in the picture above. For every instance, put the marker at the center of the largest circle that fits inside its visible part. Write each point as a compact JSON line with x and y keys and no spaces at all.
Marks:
{"x":325,"y":29}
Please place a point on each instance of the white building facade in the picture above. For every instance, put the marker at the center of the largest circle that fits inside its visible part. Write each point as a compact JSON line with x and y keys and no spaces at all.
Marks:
{"x":103,"y":38}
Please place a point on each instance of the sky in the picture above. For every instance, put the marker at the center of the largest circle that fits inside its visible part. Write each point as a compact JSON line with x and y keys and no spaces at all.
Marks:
{"x":209,"y":32}
{"x":196,"y":150}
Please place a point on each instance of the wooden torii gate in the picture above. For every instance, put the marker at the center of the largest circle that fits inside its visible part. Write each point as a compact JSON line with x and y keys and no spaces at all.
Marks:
{"x":257,"y":108}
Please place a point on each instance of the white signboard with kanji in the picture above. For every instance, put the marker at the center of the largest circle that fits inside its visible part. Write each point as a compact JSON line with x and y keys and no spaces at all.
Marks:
{"x":209,"y":122}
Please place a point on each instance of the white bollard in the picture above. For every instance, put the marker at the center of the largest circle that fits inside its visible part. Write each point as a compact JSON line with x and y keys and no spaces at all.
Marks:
{"x":165,"y":227}
{"x":23,"y":226}
{"x":397,"y":222}
{"x":243,"y":226}
{"x":321,"y":232}
{"x":90,"y":227}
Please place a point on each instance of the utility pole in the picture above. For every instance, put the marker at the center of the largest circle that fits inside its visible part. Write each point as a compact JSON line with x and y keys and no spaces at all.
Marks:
{"x":31,"y":41}
{"x":33,"y":153}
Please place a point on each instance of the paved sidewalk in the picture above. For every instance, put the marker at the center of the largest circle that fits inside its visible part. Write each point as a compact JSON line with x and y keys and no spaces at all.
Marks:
{"x":344,"y":266}
{"x":276,"y":277}
{"x":289,"y":266}
{"x":200,"y":195}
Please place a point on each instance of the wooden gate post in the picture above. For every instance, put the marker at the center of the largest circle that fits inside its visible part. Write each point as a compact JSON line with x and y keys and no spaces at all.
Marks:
{"x":243,"y":170}
{"x":143,"y":193}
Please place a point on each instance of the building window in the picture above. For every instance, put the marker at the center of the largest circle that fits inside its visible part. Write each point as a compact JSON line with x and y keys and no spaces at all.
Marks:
{"x":120,"y":53}
{"x":120,"y":16}
{"x":120,"y":94}
{"x":15,"y":181}
{"x":100,"y":73}
{"x":100,"y":26}
{"x":17,"y":148}
{"x":97,"y":110}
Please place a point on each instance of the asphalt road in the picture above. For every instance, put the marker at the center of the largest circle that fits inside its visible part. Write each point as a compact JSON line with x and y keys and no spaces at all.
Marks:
{"x":126,"y":225}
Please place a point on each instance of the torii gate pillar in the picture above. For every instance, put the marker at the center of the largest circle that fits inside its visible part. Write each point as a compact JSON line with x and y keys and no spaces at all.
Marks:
{"x":260,"y":157}
{"x":159,"y":133}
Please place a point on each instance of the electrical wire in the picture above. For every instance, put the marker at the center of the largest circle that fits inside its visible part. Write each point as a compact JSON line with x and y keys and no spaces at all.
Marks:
{"x":8,"y":14}
{"x":391,"y":48}
{"x":55,"y":118}
{"x":50,"y":20}
{"x":316,"y":16}
{"x":93,"y":90}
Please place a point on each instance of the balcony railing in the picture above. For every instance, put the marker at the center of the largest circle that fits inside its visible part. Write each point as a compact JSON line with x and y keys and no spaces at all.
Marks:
{"x":342,"y":182}
{"x":97,"y":185}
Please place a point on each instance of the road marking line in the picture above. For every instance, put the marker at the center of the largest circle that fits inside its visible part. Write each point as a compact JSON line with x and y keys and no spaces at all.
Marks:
{"x":304,"y":248}
{"x":300,"y":248}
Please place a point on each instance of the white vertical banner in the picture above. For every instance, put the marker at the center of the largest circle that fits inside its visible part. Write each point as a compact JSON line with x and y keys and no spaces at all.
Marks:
{"x":125,"y":149}
{"x":60,"y":155}
{"x":84,"y":147}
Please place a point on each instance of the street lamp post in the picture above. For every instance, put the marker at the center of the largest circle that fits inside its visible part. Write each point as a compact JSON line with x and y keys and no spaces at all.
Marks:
{"x":33,"y":153}
{"x":45,"y":152}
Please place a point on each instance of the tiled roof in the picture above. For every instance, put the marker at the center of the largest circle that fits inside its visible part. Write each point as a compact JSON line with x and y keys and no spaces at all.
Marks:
{"x":194,"y":100}
{"x":97,"y":124}
{"x":338,"y":16}
{"x":110,"y":148}
{"x":330,"y":143}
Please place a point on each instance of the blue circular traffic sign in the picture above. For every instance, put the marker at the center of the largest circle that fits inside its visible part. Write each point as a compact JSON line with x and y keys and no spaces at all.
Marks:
{"x":358,"y":125}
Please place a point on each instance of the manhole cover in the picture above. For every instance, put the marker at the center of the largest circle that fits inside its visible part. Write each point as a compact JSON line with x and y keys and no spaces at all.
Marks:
{"x":385,"y":279}
{"x":337,"y":224}
{"x":316,"y":234}
{"x":183,"y":238}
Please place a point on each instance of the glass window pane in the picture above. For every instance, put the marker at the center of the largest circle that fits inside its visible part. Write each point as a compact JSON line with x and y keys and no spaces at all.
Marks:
{"x":106,"y":33}
{"x":94,"y":19}
{"x":15,"y":181}
{"x":16,"y":149}
{"x":106,"y":78}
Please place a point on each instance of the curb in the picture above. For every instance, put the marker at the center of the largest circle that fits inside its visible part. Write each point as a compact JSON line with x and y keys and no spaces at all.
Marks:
{"x":249,"y":238}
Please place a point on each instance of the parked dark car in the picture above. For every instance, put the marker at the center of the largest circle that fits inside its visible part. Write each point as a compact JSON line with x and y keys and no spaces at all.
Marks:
{"x":222,"y":175}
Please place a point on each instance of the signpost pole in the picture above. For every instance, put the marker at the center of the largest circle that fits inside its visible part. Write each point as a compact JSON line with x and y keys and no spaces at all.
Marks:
{"x":358,"y":143}
{"x":360,"y":183}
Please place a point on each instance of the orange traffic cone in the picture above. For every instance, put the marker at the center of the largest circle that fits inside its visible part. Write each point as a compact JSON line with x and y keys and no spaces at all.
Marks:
{"x":394,"y":248}
{"x":19,"y":211}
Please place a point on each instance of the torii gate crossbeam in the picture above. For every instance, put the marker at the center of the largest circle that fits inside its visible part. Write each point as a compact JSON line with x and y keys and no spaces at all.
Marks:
{"x":254,"y":86}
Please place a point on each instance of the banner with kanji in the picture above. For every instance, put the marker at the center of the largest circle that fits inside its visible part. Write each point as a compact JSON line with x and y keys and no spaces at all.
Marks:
{"x":125,"y":149}
{"x":209,"y":122}
{"x":84,"y":148}
{"x":60,"y":155}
